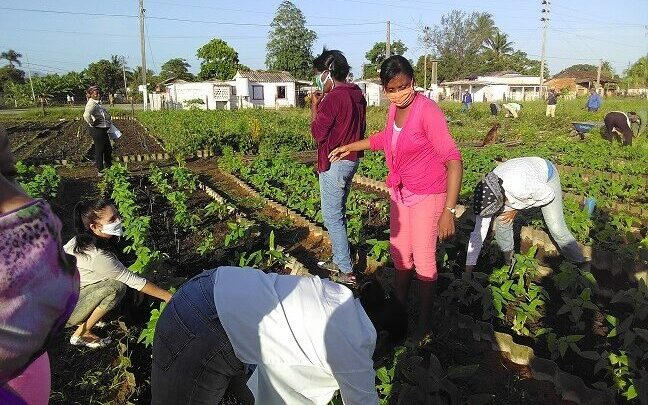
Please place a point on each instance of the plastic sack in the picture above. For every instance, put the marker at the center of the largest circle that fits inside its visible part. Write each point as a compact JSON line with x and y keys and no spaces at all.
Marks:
{"x":114,"y":133}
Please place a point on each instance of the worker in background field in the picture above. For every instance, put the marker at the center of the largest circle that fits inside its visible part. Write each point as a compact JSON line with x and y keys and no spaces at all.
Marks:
{"x":619,"y":125}
{"x":552,"y":100}
{"x":515,"y":185}
{"x":512,"y":109}
{"x":308,"y":338}
{"x":593,"y":101}
{"x":338,"y":111}
{"x":495,"y":108}
{"x":466,"y":99}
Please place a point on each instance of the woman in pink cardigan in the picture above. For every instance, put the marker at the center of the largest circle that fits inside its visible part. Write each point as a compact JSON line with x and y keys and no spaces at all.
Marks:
{"x":424,"y":179}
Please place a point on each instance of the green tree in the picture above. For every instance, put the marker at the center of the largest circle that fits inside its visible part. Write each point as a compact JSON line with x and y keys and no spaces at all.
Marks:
{"x":9,"y":74}
{"x":135,"y":79}
{"x":497,"y":46}
{"x":106,"y":74}
{"x":11,"y":56}
{"x":637,"y":74}
{"x":457,"y":42}
{"x":376,"y":55}
{"x":290,"y":44}
{"x":176,"y":68}
{"x":219,"y":60}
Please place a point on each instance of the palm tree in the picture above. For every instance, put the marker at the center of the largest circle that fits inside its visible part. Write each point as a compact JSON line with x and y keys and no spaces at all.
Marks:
{"x":12,"y":56}
{"x":498,"y":45}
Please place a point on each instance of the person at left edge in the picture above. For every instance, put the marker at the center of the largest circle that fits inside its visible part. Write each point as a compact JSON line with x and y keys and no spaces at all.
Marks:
{"x":39,"y":286}
{"x":338,"y":117}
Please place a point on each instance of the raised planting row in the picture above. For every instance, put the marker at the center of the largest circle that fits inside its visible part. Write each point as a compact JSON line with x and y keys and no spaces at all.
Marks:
{"x":279,"y":177}
{"x":603,"y":340}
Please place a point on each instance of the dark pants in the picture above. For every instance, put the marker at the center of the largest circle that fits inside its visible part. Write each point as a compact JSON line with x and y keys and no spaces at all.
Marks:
{"x":193,"y":359}
{"x":103,"y":149}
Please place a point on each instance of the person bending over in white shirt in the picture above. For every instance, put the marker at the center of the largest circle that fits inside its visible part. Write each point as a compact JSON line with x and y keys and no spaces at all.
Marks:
{"x":307,"y":338}
{"x":104,"y":279}
{"x":514,"y":185}
{"x":512,"y":109}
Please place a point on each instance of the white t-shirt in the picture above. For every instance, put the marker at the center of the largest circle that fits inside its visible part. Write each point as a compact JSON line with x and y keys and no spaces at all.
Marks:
{"x":97,"y":265}
{"x":525,"y":182}
{"x":308,"y":337}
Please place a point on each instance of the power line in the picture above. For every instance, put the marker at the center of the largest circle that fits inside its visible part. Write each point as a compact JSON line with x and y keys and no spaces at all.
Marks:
{"x":177,"y":19}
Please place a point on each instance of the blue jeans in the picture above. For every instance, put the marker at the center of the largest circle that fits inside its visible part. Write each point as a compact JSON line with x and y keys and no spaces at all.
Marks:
{"x":465,"y":106}
{"x":193,"y":360}
{"x":335,"y":185}
{"x":554,"y":219}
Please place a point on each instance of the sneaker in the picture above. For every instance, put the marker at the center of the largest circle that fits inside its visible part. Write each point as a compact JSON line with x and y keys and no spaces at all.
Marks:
{"x":89,"y":342}
{"x":329,"y":266}
{"x":345,"y":278}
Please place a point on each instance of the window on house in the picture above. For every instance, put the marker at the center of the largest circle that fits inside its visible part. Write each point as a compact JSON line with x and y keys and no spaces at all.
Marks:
{"x":257,"y":92}
{"x":281,"y":91}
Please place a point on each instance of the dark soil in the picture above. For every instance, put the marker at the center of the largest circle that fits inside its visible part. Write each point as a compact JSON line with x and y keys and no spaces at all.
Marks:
{"x":44,"y":142}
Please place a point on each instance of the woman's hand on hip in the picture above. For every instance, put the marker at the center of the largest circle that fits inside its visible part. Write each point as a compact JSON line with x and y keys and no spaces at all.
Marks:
{"x":446,"y":225}
{"x":339,"y":153}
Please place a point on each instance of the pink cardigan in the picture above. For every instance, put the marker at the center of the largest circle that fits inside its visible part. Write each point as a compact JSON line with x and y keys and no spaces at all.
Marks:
{"x":422,"y":149}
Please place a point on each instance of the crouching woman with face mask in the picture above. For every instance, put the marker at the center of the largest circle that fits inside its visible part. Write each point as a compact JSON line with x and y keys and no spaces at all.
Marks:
{"x":104,"y":279}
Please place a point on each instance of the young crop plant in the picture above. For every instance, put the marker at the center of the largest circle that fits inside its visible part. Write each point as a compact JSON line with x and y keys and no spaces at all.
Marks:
{"x":38,"y":185}
{"x":576,"y":306}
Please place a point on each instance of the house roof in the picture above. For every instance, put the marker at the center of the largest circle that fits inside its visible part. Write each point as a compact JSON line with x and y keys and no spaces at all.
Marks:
{"x":261,"y":76}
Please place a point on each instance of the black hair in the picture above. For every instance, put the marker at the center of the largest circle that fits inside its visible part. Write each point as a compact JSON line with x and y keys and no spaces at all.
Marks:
{"x":385,"y":312}
{"x":393,"y":66}
{"x":333,"y":61}
{"x":87,"y":213}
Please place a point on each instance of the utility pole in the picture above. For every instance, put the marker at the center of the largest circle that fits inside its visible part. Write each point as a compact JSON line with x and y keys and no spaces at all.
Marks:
{"x":598,"y":75}
{"x":31,"y":83}
{"x":388,"y":42}
{"x":123,"y":63}
{"x":143,"y":50}
{"x":426,"y":40}
{"x":545,"y":22}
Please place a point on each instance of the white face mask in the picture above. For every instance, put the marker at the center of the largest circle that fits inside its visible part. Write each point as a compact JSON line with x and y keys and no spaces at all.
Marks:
{"x":113,"y":228}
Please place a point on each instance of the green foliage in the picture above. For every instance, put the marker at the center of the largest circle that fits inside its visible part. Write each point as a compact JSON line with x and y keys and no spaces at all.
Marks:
{"x":107,"y":74}
{"x":290,"y":43}
{"x":136,"y":226}
{"x":219,"y":60}
{"x":376,"y":55}
{"x":38,"y":185}
{"x":146,"y":336}
{"x":176,"y":68}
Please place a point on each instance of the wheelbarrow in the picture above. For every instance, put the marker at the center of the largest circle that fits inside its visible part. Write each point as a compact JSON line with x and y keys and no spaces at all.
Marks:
{"x":582,"y":128}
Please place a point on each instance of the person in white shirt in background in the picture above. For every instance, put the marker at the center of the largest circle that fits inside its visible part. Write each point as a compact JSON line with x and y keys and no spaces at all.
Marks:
{"x":104,"y":279}
{"x":308,"y":338}
{"x":515,"y":185}
{"x":512,"y":109}
{"x":98,"y":120}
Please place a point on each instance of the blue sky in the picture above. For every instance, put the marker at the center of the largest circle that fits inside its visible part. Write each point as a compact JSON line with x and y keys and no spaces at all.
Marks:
{"x":580,"y":31}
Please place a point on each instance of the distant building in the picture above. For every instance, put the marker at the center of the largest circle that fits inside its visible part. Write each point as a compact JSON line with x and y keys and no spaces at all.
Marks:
{"x":373,"y":92}
{"x":252,"y":89}
{"x":495,"y":86}
{"x":579,"y":83}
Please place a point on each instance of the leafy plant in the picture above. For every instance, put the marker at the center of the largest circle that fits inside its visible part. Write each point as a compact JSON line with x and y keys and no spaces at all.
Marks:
{"x":576,"y":306}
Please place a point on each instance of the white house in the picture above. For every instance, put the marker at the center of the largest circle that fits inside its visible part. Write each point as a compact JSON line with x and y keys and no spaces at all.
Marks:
{"x":496,"y":86}
{"x":372,"y":90}
{"x":252,"y":89}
